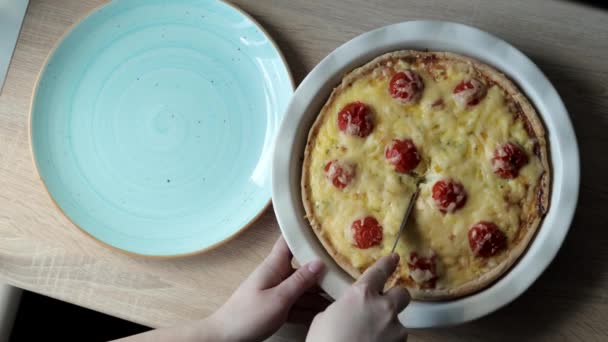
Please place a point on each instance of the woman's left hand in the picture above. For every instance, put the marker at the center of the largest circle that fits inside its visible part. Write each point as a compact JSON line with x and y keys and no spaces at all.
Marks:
{"x":271,"y":295}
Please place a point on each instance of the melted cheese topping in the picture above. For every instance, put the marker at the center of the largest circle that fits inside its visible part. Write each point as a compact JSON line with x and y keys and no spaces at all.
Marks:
{"x":454,"y":141}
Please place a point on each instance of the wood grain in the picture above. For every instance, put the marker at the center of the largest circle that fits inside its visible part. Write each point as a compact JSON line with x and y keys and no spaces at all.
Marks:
{"x":41,"y":251}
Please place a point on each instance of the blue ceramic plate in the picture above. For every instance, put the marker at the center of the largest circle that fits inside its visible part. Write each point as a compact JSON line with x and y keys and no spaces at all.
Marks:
{"x":153,"y":120}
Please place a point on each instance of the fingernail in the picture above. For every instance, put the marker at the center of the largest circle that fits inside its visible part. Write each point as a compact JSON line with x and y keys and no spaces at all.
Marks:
{"x":395,"y":257}
{"x":316,"y":266}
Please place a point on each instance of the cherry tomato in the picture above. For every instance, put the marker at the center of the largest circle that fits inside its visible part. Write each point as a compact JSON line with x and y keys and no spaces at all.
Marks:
{"x":423,"y":270}
{"x":339,"y":173}
{"x":449,"y":195}
{"x":406,"y":86}
{"x":367,"y":232}
{"x":470,"y":92}
{"x":486,"y":239}
{"x":403,"y":154}
{"x":508,"y":160}
{"x":355,"y":119}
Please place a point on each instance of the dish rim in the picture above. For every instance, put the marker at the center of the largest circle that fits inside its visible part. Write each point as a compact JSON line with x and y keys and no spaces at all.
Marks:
{"x":436,"y":36}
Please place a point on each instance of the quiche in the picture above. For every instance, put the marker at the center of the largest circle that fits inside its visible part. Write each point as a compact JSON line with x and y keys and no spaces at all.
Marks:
{"x":454,"y":127}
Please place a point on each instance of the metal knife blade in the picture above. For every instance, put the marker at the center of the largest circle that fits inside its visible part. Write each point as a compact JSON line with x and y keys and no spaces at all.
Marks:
{"x":408,"y":212}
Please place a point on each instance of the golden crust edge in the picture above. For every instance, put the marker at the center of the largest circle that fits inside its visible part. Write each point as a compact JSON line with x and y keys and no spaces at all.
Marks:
{"x":529,"y":228}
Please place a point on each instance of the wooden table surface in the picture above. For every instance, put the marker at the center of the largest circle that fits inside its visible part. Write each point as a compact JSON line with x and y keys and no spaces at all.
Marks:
{"x":41,"y":251}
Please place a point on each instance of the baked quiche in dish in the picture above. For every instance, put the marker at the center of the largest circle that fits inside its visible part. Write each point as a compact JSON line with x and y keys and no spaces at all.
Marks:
{"x":453,"y":126}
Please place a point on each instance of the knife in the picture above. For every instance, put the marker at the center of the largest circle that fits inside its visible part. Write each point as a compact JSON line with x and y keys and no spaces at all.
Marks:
{"x":408,"y":212}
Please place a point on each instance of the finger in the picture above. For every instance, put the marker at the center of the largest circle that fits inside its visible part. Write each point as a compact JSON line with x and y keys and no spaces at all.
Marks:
{"x":399,"y":297}
{"x":310,"y":301}
{"x":275,"y":268}
{"x":378,"y":273}
{"x":301,"y":280}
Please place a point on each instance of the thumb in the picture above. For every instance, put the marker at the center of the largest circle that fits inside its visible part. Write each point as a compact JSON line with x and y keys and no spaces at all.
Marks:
{"x":301,"y":280}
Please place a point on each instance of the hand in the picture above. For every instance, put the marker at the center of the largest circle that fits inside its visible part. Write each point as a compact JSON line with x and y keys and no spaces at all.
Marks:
{"x":264,"y":301}
{"x":364,"y":313}
{"x":272,"y":294}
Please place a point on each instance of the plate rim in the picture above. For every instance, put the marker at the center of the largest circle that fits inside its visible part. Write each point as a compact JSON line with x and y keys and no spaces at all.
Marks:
{"x":84,"y":232}
{"x":460,"y":310}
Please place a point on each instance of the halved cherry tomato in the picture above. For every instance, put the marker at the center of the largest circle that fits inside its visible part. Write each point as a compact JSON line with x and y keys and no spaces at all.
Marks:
{"x":403,"y":154}
{"x":449,"y":195}
{"x":470,"y":92}
{"x":423,"y":270}
{"x":356,"y":119}
{"x":367,"y":232}
{"x":406,"y":86}
{"x":339,"y":173}
{"x":508,"y":160}
{"x":486,"y":240}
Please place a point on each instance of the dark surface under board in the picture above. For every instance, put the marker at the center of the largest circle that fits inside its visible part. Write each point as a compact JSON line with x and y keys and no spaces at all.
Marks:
{"x":43,"y":318}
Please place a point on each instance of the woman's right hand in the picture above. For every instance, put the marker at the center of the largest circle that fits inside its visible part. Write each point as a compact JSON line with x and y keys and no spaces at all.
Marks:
{"x":364,"y":312}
